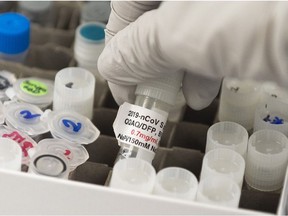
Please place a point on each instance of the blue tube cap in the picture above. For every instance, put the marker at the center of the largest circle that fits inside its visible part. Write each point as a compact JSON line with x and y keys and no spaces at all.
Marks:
{"x":14,"y":33}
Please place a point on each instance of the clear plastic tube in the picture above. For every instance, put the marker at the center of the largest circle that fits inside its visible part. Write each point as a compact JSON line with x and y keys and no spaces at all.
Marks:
{"x":127,"y":150}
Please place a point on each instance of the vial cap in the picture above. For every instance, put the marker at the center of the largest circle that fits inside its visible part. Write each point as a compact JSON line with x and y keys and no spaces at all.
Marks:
{"x":72,"y":127}
{"x":165,"y":88}
{"x":25,"y":117}
{"x":14,"y":33}
{"x":91,"y":32}
{"x":76,"y":154}
{"x":95,"y":11}
{"x":34,"y":6}
{"x":25,"y":142}
{"x":34,"y":90}
{"x":10,"y":154}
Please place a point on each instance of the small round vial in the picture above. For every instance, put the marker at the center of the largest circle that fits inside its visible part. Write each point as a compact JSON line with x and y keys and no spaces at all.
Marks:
{"x":229,"y":135}
{"x":176,"y":182}
{"x":133,"y":174}
{"x":49,"y":165}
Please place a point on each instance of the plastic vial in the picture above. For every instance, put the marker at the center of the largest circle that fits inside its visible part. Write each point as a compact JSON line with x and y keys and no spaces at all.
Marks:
{"x":74,"y":91}
{"x":219,"y":190}
{"x":238,"y":101}
{"x":95,"y":11}
{"x":229,"y":135}
{"x":36,"y":11}
{"x":133,"y":174}
{"x":14,"y":37}
{"x":10,"y":154}
{"x":176,"y":182}
{"x":89,"y":43}
{"x":267,"y":160}
{"x":156,"y":95}
{"x":49,"y":164}
{"x":223,"y":162}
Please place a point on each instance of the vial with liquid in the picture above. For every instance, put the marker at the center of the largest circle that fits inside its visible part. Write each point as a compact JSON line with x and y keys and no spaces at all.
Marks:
{"x":143,"y":126}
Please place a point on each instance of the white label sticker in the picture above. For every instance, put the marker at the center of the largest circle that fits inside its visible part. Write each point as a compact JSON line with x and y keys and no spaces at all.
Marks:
{"x":139,"y":126}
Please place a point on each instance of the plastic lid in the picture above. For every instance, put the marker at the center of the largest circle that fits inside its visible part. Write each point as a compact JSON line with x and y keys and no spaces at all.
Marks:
{"x":266,"y":160}
{"x":176,"y":182}
{"x":229,"y":135}
{"x":35,"y":6}
{"x":134,"y":175}
{"x":165,"y":88}
{"x":25,"y":142}
{"x":34,"y":90}
{"x":91,"y":32}
{"x":14,"y":33}
{"x":10,"y":154}
{"x":25,"y":117}
{"x":224,"y":162}
{"x":98,"y":11}
{"x":76,"y":154}
{"x":74,"y":90}
{"x":220,"y":190}
{"x":238,"y":101}
{"x":72,"y":127}
{"x":49,"y":164}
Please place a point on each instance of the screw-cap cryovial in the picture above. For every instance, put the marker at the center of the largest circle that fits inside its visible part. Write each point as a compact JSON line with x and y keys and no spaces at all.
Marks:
{"x":223,"y":162}
{"x":25,"y":117}
{"x":272,"y":116}
{"x":89,"y":44}
{"x":219,"y":190}
{"x":72,"y":127}
{"x":10,"y":154}
{"x":36,"y":11}
{"x":76,"y":154}
{"x":14,"y":36}
{"x":134,"y":175}
{"x":95,"y":11}
{"x":227,"y":135}
{"x":74,"y":91}
{"x":176,"y":182}
{"x":238,"y":101}
{"x":267,"y":159}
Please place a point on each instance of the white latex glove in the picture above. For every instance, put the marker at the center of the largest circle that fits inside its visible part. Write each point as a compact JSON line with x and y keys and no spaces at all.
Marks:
{"x":209,"y":40}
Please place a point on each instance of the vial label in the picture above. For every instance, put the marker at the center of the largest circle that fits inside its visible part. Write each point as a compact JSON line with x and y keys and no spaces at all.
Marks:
{"x":34,"y":87}
{"x":139,"y":126}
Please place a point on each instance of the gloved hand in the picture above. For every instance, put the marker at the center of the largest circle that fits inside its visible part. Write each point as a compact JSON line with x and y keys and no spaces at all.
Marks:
{"x":209,"y":40}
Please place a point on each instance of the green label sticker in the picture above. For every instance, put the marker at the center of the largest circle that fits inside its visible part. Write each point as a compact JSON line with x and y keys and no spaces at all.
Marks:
{"x":34,"y":87}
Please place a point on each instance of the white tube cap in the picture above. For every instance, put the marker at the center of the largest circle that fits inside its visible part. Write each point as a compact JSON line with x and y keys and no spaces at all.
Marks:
{"x":133,"y":174}
{"x":74,"y":91}
{"x":176,"y":182}
{"x":10,"y":154}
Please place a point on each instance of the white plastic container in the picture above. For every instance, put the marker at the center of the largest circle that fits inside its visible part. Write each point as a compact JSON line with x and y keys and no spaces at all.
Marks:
{"x":267,"y":160}
{"x":10,"y":154}
{"x":176,"y":182}
{"x":221,"y":191}
{"x":74,"y":91}
{"x":238,"y":101}
{"x":223,"y":162}
{"x":89,"y":43}
{"x":133,"y":174}
{"x":227,"y":135}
